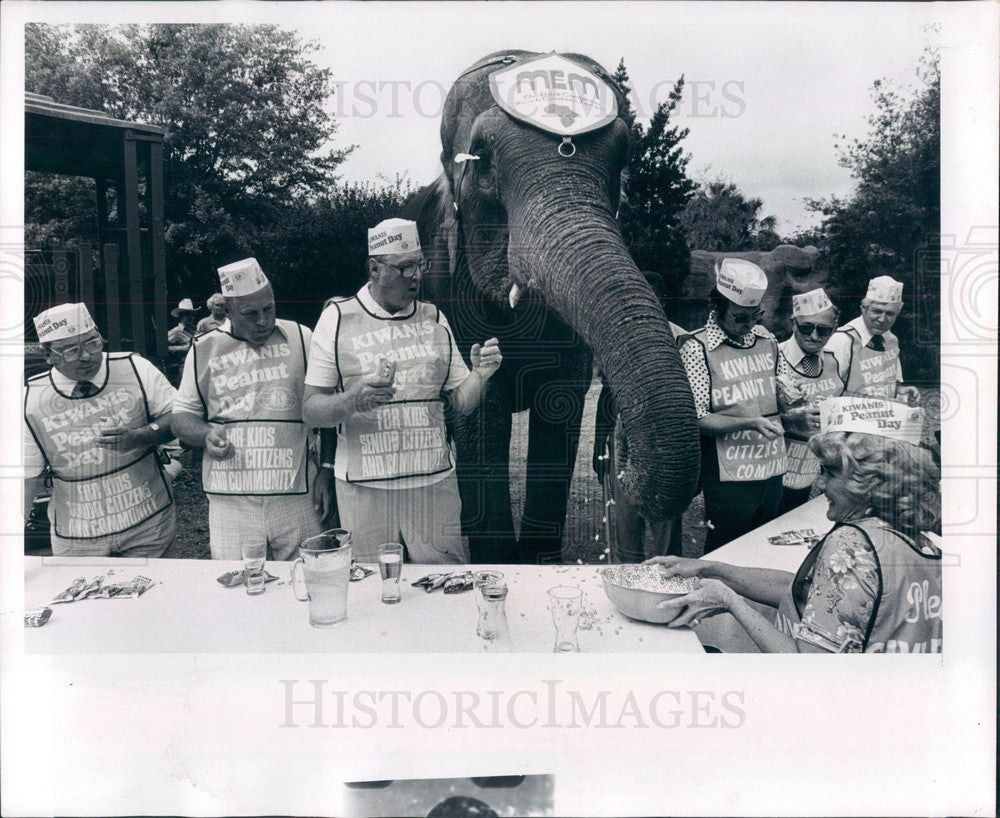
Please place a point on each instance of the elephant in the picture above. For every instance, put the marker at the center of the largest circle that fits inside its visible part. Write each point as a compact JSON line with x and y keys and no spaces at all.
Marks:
{"x":790,"y":271}
{"x":522,"y":243}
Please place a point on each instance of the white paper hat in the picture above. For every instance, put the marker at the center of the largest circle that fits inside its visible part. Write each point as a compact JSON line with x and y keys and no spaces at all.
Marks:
{"x":885,"y":289}
{"x":873,"y":416}
{"x":63,"y":321}
{"x":741,"y":281}
{"x":393,"y":236}
{"x":810,"y":303}
{"x":242,"y":278}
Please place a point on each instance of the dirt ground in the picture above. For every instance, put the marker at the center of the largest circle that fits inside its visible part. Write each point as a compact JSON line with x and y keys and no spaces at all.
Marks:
{"x":584,"y":539}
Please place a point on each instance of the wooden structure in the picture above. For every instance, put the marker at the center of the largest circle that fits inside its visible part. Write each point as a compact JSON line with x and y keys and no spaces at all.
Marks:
{"x":127,"y":292}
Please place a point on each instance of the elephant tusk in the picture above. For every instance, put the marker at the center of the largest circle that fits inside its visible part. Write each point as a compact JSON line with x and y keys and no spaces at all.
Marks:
{"x":515,"y":295}
{"x":464,"y":157}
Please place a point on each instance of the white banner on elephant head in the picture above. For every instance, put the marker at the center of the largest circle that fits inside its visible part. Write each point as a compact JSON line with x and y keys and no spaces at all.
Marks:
{"x":556,"y":94}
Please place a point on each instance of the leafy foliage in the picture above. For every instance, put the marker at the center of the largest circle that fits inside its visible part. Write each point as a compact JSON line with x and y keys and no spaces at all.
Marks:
{"x":720,"y":218}
{"x":57,"y":208}
{"x":891,"y":225}
{"x":243,"y":107}
{"x":655,"y":186}
{"x":318,"y":249}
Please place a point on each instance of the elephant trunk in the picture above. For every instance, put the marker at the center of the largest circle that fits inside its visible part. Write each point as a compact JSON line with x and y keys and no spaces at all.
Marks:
{"x":567,"y":240}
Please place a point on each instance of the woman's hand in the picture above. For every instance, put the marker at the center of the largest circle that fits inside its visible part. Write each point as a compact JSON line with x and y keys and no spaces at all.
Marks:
{"x":711,"y":597}
{"x":679,"y":566}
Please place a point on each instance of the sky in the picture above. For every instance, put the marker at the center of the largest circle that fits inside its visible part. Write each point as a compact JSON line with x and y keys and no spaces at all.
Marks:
{"x":769,"y":86}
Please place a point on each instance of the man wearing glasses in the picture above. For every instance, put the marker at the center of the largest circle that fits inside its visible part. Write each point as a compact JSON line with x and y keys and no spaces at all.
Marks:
{"x":813,"y":375}
{"x":868,"y":351}
{"x":94,"y":421}
{"x":731,"y":364}
{"x":382,"y":365}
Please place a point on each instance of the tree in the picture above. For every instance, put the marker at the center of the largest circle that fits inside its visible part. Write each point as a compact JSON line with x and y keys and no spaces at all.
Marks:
{"x":720,"y":218}
{"x":891,"y":224}
{"x":58,"y":209}
{"x":328,"y":235}
{"x":655,"y":187}
{"x":243,"y":108}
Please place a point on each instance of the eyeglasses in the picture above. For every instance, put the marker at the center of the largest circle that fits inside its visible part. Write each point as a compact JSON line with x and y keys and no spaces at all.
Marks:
{"x":743,"y":320}
{"x":409,"y":270}
{"x":71,"y":354}
{"x":809,"y":329}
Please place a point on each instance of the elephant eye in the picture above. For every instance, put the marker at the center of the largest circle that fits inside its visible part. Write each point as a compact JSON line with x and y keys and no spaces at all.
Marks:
{"x":484,"y":164}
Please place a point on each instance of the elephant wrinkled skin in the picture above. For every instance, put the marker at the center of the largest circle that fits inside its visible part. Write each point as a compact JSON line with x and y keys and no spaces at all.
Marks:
{"x":529,"y":220}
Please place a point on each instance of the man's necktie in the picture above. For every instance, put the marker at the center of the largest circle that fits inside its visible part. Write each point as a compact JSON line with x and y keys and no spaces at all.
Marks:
{"x":809,"y":365}
{"x":84,"y":389}
{"x":877,"y":343}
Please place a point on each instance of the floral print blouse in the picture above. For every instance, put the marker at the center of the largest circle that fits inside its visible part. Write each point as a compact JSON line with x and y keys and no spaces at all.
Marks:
{"x":836,"y":590}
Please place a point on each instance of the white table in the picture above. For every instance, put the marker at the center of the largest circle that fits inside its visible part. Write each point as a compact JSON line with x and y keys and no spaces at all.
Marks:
{"x":753,"y":550}
{"x":187,"y":611}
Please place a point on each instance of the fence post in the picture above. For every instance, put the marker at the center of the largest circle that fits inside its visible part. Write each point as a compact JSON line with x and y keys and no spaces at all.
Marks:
{"x":60,"y":274}
{"x":85,"y":273}
{"x":112,"y":297}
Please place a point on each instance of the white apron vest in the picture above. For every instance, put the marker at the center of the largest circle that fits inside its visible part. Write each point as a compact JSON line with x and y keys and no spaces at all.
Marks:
{"x":741,"y":384}
{"x":96,"y":492}
{"x":256,"y":393}
{"x":803,"y":467}
{"x":906,"y":617}
{"x":406,"y":437}
{"x":872,"y":373}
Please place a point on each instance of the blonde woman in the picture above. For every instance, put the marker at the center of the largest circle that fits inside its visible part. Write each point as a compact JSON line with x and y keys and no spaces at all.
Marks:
{"x":873,"y":584}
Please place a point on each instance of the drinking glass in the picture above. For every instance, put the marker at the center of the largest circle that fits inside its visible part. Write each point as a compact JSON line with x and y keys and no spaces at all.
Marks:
{"x":390,"y":566}
{"x":566,"y":605}
{"x":480,"y":579}
{"x":253,"y":555}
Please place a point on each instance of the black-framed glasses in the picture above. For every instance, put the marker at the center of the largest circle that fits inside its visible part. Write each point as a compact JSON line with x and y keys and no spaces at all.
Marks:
{"x":809,"y":329}
{"x":744,"y":320}
{"x":71,"y":354}
{"x":409,"y":270}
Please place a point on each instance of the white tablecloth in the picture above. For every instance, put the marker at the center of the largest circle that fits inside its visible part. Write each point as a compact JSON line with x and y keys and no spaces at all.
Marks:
{"x":753,"y":550}
{"x":187,"y":611}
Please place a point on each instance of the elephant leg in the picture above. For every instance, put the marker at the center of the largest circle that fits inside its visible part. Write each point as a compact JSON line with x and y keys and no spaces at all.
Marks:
{"x":553,"y":439}
{"x":482,"y":440}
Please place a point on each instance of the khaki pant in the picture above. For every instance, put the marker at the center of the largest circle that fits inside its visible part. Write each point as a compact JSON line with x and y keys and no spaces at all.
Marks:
{"x":281,"y":521}
{"x":426,"y":519}
{"x":148,"y":539}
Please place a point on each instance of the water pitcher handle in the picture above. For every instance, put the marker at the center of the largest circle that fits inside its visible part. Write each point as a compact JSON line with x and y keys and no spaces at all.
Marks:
{"x":299,"y":580}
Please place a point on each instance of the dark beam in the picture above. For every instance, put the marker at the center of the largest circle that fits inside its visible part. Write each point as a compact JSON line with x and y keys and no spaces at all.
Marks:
{"x":133,"y":254}
{"x":156,"y":238}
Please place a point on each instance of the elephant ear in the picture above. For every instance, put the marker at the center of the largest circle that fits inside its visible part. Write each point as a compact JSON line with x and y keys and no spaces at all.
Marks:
{"x":434,"y":209}
{"x":448,"y":223}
